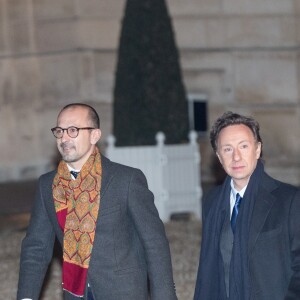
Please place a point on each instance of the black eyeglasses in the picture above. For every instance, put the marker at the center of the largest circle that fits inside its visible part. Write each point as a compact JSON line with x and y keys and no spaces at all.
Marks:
{"x":72,"y":131}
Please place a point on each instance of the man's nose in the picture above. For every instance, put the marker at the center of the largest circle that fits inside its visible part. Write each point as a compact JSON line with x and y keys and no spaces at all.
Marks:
{"x":65,"y":136}
{"x":236,"y":155}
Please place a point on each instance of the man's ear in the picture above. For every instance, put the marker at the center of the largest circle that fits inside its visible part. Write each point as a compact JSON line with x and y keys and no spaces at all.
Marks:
{"x":258,"y":150}
{"x":95,"y":136}
{"x":220,"y":161}
{"x":218,"y":156}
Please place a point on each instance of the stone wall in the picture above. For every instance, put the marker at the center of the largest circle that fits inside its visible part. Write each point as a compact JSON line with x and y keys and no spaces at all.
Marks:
{"x":244,"y":55}
{"x":52,"y":52}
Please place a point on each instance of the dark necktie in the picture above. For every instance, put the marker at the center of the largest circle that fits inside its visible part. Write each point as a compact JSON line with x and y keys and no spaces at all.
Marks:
{"x":74,"y":173}
{"x":235,"y":211}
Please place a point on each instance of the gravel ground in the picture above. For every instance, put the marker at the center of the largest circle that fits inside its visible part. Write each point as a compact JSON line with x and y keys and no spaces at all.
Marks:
{"x":183,"y":235}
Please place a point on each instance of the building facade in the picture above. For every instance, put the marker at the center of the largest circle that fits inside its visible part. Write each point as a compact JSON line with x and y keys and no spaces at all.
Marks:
{"x":235,"y":55}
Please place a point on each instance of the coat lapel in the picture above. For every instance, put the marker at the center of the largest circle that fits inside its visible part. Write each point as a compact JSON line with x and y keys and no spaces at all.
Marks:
{"x":108,"y":171}
{"x":262,"y":208}
{"x":49,"y":203}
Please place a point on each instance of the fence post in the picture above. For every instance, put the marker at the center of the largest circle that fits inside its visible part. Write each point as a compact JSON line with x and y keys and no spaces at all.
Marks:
{"x":163,"y":194}
{"x":197,"y":159}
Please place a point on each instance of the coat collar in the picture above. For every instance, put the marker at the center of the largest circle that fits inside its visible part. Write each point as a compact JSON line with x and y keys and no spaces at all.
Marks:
{"x":262,"y":207}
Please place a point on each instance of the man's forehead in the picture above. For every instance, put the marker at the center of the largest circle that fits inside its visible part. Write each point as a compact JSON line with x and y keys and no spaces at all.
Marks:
{"x":236,"y":132}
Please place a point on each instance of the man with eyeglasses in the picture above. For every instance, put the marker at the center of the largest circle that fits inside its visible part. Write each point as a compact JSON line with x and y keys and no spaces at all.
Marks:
{"x":102,"y":213}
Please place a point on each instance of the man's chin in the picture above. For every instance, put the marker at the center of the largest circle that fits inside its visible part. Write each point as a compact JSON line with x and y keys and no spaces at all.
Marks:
{"x":68,"y":158}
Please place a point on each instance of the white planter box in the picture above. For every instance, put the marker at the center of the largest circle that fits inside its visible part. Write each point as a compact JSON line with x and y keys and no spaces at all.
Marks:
{"x":172,"y":172}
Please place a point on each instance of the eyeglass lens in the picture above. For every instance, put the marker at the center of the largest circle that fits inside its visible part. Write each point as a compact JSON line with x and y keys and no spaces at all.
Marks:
{"x":71,"y":131}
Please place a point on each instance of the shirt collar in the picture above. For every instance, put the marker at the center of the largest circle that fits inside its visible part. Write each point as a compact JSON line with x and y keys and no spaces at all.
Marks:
{"x":234,"y":191}
{"x":71,"y":169}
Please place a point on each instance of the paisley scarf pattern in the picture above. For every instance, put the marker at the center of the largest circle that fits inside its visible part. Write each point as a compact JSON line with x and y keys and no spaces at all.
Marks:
{"x":77,"y":204}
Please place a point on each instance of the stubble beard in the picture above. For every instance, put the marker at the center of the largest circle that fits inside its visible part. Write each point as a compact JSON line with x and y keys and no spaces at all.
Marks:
{"x":67,"y":156}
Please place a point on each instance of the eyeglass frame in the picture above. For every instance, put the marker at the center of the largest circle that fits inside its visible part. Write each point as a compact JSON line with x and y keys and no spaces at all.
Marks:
{"x":66,"y":129}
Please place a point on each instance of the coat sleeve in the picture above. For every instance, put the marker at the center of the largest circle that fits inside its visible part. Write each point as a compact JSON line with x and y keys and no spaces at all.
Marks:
{"x":151,"y":231}
{"x":36,"y":250}
{"x":294,"y":224}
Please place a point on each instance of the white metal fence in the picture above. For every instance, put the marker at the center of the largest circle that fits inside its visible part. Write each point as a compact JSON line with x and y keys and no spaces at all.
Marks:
{"x":172,"y":172}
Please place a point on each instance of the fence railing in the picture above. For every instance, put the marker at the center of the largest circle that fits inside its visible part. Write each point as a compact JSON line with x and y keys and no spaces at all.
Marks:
{"x":172,"y":172}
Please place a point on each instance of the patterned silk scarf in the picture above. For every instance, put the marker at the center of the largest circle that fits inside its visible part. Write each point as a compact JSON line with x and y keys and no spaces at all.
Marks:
{"x":77,"y":204}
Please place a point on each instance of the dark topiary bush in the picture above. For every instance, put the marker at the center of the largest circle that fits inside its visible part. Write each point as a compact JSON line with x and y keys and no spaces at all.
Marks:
{"x":149,"y":95}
